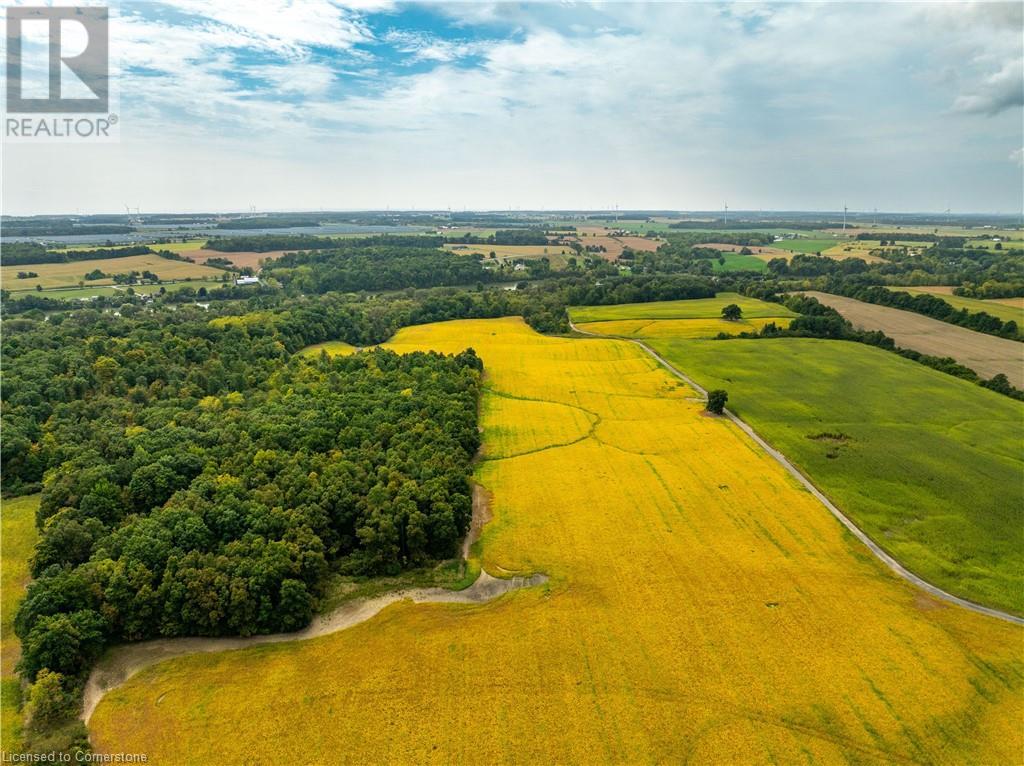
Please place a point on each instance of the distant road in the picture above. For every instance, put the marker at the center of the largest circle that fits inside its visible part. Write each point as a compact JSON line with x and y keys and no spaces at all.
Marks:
{"x":985,"y":354}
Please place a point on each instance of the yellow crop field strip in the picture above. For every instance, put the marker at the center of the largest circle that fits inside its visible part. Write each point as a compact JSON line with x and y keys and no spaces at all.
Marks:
{"x":180,"y":247}
{"x":58,"y":274}
{"x":702,"y":608}
{"x":17,"y":540}
{"x":332,"y":347}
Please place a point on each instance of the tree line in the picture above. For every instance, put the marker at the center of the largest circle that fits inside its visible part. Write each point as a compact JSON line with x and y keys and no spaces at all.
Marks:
{"x":31,"y":253}
{"x":265,"y":243}
{"x":931,"y":306}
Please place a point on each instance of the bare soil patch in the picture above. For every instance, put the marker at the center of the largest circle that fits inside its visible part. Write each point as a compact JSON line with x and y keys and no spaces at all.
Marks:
{"x":641,"y":243}
{"x":613,"y":246}
{"x":854,"y":250}
{"x":241,"y":260}
{"x":764,"y":253}
{"x":1015,"y":302}
{"x":985,"y":354}
{"x":481,"y":515}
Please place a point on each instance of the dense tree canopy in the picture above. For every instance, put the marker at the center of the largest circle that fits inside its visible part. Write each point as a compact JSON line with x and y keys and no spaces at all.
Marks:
{"x":192,"y":513}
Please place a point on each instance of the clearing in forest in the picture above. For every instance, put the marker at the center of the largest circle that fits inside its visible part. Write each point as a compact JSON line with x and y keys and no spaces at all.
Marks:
{"x":702,"y":607}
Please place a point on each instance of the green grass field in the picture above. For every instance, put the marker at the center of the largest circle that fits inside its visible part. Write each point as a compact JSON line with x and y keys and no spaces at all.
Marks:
{"x":737,"y":262}
{"x":807,"y":245}
{"x":17,"y":541}
{"x":928,"y":465}
{"x":988,"y":244}
{"x":474,"y":230}
{"x":700,"y":308}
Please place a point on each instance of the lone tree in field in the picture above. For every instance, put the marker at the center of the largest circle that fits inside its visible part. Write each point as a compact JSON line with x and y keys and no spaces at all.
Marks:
{"x":732,"y":312}
{"x":716,"y":401}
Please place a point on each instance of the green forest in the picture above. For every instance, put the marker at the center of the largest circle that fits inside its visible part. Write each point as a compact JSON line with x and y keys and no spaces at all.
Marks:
{"x":215,"y":499}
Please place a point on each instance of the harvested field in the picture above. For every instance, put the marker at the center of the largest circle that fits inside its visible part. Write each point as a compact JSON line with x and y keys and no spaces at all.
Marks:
{"x":853,"y":250}
{"x":512,"y":251}
{"x":68,"y":274}
{"x":242,"y":260}
{"x":556,"y":254}
{"x":612,"y":247}
{"x":985,"y":354}
{"x":1015,"y":302}
{"x":88,"y":291}
{"x":641,"y":243}
{"x":995,"y":308}
{"x":764,"y":253}
{"x":599,"y":236}
{"x":702,"y":607}
{"x":592,"y":231}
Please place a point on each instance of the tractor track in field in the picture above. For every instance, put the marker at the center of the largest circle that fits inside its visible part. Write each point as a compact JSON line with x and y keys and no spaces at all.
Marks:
{"x":781,"y":459}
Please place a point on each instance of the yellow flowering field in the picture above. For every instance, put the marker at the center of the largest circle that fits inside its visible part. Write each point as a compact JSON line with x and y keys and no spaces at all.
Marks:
{"x":17,"y":540}
{"x":332,"y":347}
{"x":702,"y":608}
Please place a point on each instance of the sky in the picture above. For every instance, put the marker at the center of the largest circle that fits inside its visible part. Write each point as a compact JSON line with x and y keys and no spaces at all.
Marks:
{"x":310,"y":104}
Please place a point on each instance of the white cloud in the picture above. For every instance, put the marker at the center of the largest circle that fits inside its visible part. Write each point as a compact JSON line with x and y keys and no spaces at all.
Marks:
{"x":666,"y":105}
{"x":284,"y":26}
{"x":305,"y":78}
{"x":995,"y":93}
{"x":419,"y":46}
